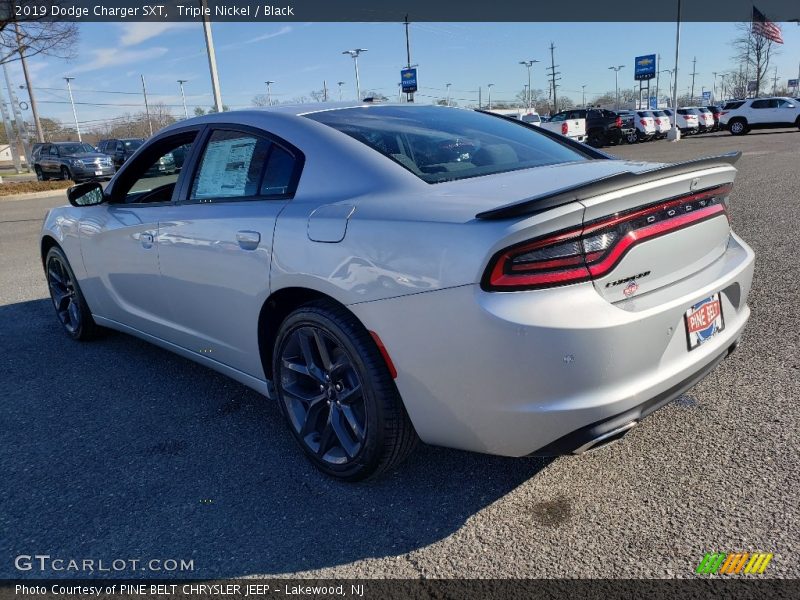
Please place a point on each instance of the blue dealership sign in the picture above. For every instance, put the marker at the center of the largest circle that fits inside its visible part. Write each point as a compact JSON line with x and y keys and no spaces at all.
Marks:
{"x":653,"y":103}
{"x":645,"y":67}
{"x":408,"y":79}
{"x":706,"y":96}
{"x":793,"y":83}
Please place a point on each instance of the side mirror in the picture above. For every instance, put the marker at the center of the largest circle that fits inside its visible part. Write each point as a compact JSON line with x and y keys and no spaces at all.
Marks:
{"x":89,"y":193}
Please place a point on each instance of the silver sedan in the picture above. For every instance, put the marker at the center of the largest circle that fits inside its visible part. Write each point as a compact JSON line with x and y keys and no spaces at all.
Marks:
{"x":390,"y":273}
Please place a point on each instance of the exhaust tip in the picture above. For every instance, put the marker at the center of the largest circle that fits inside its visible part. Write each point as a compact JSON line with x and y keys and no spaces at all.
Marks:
{"x":606,"y":439}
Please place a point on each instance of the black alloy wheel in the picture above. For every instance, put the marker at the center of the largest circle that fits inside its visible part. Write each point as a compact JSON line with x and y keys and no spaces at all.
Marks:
{"x":337,"y":394}
{"x":70,"y":306}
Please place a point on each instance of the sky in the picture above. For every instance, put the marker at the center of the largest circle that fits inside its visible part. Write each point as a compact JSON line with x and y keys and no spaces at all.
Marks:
{"x":299,"y":56}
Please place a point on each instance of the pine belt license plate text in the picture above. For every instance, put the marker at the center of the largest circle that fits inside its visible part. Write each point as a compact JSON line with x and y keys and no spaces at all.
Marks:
{"x":703,"y":321}
{"x":98,"y":172}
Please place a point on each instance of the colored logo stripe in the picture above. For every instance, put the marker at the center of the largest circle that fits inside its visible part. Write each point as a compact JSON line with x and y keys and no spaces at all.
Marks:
{"x":734,"y":564}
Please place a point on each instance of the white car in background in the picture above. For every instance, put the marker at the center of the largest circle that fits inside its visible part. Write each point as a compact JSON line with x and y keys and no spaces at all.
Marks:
{"x":684,"y":119}
{"x":645,"y":125}
{"x":567,"y":124}
{"x":532,"y":118}
{"x":740,"y":116}
{"x":705,"y":118}
{"x":663,"y":124}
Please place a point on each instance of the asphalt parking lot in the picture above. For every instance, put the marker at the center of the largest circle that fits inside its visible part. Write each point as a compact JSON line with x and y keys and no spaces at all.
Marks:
{"x":117,"y":449}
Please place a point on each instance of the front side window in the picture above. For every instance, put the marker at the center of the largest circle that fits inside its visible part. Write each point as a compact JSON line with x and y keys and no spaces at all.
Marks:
{"x":153,"y":175}
{"x":445,"y":144}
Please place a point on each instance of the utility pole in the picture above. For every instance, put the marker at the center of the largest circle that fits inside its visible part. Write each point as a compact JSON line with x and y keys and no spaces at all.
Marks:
{"x":354,"y":55}
{"x":410,"y":95}
{"x":31,"y":95}
{"x":694,"y":72}
{"x":480,"y":103}
{"x":147,"y":107}
{"x":324,"y":90}
{"x":72,"y":102}
{"x":269,"y":92}
{"x":553,"y":78}
{"x":22,"y":131}
{"x":674,"y":134}
{"x":616,"y":70}
{"x":183,"y":97}
{"x":212,"y":57}
{"x":714,"y":89}
{"x":447,"y":94}
{"x":775,"y":82}
{"x":490,"y":85}
{"x":583,"y":95}
{"x":528,"y":64}
{"x":10,"y":135}
{"x":340,"y":84}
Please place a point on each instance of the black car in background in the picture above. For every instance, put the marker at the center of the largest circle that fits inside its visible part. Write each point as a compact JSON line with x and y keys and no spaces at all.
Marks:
{"x":71,"y":160}
{"x":603,"y":127}
{"x":119,"y":149}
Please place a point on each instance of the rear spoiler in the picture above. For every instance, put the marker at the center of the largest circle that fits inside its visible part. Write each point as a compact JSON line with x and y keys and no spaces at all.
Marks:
{"x":603,"y":185}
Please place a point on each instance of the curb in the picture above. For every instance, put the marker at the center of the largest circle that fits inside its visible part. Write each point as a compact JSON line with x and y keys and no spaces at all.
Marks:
{"x":34,"y":195}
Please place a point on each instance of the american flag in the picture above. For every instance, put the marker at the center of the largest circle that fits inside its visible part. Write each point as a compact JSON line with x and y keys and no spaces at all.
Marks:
{"x":765,"y":28}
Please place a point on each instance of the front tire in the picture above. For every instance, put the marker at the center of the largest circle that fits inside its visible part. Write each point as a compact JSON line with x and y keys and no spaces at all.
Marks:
{"x":68,"y":301}
{"x":65,"y":174}
{"x":39,"y":173}
{"x":337,"y":395}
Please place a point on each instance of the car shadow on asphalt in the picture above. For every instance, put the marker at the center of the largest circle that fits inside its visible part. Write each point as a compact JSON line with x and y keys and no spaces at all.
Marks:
{"x":124,"y":451}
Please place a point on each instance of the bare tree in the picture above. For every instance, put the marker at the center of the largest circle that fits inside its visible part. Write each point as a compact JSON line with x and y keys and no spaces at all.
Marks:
{"x":260,"y":100}
{"x":754,"y":52}
{"x":35,"y":35}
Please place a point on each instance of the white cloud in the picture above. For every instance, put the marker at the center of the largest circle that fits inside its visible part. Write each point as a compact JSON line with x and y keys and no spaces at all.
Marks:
{"x":114,"y":57}
{"x":282,"y":31}
{"x":136,"y":33}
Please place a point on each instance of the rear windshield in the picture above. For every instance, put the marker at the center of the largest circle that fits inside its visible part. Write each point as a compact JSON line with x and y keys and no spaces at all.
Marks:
{"x":704,"y":110}
{"x":659,"y":113}
{"x":687,"y":111}
{"x":445,"y":144}
{"x":644,"y":113}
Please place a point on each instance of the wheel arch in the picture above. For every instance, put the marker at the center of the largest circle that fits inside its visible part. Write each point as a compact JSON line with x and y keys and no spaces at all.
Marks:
{"x":274,"y":311}
{"x":47,"y":242}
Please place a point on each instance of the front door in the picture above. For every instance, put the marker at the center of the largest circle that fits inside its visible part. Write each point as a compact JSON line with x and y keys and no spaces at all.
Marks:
{"x":119,"y":243}
{"x":215,"y":254}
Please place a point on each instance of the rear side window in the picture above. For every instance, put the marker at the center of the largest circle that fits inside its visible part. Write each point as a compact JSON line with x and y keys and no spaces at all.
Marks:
{"x":733,"y":105}
{"x":242,"y":165}
{"x":445,"y":144}
{"x":760,"y":104}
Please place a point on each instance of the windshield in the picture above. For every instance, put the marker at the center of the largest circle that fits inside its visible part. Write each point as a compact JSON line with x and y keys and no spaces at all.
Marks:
{"x":445,"y":144}
{"x":133,"y":144}
{"x":65,"y":149}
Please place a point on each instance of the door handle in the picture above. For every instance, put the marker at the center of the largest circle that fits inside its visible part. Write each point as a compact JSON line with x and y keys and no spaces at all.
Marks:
{"x":146,"y":238}
{"x":248,"y":240}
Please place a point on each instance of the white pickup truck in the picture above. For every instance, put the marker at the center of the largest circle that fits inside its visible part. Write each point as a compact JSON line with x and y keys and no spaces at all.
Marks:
{"x":572,"y":128}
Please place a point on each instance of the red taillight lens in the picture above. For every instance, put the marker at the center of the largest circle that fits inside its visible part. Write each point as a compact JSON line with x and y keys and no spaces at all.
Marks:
{"x":594,"y":249}
{"x":618,"y":122}
{"x":643,"y":122}
{"x":564,"y":129}
{"x":722,"y":113}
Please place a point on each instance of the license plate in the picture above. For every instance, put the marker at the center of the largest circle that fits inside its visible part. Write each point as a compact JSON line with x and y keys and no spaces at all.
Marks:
{"x":703,"y":321}
{"x":98,"y":172}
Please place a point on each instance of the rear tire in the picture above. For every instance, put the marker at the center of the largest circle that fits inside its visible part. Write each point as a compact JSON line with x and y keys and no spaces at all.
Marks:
{"x":68,"y":301}
{"x":337,"y":395}
{"x":595,"y":138}
{"x":738,"y":127}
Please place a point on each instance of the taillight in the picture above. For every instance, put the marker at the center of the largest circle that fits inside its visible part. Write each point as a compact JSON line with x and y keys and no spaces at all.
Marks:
{"x":564,"y":128}
{"x":643,"y":122}
{"x":594,"y":249}
{"x":722,"y":113}
{"x":618,"y":122}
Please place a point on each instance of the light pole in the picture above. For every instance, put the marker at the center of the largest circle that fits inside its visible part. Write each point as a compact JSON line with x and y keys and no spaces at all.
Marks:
{"x":72,"y":102}
{"x":714,"y":90}
{"x":183,"y":97}
{"x":674,"y":134}
{"x":490,"y":85}
{"x":583,"y":95}
{"x":147,"y":106}
{"x":269,"y":91}
{"x":616,"y":70}
{"x":340,"y":84}
{"x":528,"y":64}
{"x":354,"y":55}
{"x":212,"y":57}
{"x":447,"y":96}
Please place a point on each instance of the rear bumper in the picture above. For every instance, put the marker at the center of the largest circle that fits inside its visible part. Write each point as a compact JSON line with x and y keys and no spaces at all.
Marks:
{"x":518,"y":373}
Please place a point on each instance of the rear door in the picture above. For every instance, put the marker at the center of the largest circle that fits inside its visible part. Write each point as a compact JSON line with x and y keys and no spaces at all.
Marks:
{"x":215,"y":253}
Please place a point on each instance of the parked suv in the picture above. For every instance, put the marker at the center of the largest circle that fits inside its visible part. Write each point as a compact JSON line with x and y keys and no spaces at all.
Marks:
{"x":121,"y":149}
{"x":741,"y":116}
{"x":662,"y":123}
{"x":71,"y":160}
{"x":603,"y":127}
{"x":684,"y":119}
